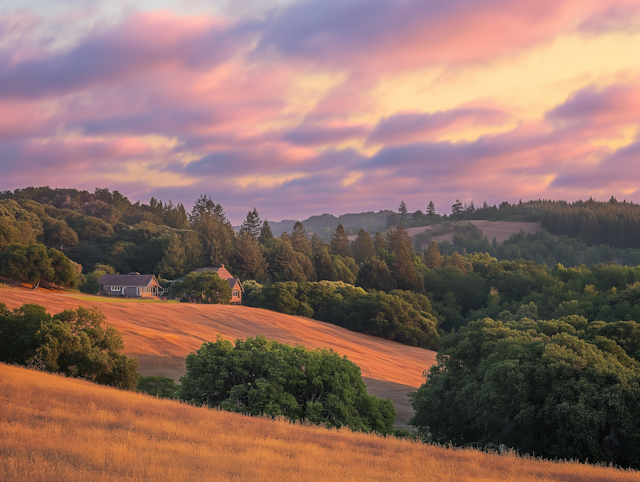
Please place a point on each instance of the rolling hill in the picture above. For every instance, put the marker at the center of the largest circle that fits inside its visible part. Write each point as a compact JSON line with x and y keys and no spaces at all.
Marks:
{"x":162,"y":334}
{"x":53,"y":427}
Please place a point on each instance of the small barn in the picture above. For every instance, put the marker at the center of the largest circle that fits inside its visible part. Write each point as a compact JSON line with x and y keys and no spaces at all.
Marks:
{"x":132,"y":285}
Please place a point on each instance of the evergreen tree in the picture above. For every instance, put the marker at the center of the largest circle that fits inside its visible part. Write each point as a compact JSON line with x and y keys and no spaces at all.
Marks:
{"x":379,"y":242}
{"x":431,"y":209}
{"x":375,"y":275}
{"x":324,"y":265}
{"x":249,"y":259}
{"x":214,"y":229}
{"x":398,"y":236}
{"x":265,"y":233}
{"x":285,"y":266}
{"x":340,"y":242}
{"x":434,"y":258}
{"x":403,"y":210}
{"x":174,"y":261}
{"x":299,"y":239}
{"x":362,"y":247}
{"x":404,"y":272}
{"x":252,"y":224}
{"x":175,"y":216}
{"x":316,"y":243}
{"x":456,"y":209}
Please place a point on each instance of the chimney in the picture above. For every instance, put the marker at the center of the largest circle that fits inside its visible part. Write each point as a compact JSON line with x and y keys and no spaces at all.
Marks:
{"x":222,"y":266}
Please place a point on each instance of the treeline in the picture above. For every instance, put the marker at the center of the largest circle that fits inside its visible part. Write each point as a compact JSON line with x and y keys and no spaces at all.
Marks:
{"x":104,"y":232}
{"x":541,"y":247}
{"x":612,"y":223}
{"x":562,"y":388}
{"x":403,"y":316}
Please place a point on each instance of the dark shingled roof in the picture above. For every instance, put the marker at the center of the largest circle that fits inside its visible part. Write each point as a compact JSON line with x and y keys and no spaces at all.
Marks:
{"x":126,"y":279}
{"x":232,"y":282}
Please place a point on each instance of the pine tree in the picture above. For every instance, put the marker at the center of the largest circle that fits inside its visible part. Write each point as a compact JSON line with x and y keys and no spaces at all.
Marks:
{"x":249,"y":259}
{"x":456,"y":209}
{"x":285,"y":266}
{"x":252,"y":224}
{"x":403,"y":210}
{"x":431,"y":209}
{"x":362,"y":247}
{"x":265,"y":233}
{"x":316,"y":243}
{"x":404,"y":272}
{"x":434,"y":258}
{"x":299,"y":239}
{"x":340,"y":242}
{"x":379,"y":242}
{"x":174,"y":261}
{"x":398,"y":236}
{"x":324,"y":265}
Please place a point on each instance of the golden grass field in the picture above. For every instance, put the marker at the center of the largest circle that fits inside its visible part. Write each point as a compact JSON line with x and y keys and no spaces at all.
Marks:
{"x":162,"y":334}
{"x":56,"y":428}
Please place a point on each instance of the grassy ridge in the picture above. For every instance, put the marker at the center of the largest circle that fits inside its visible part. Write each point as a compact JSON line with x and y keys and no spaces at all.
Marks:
{"x":80,"y":431}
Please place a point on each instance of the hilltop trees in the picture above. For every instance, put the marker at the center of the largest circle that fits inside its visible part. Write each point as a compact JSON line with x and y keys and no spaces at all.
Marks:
{"x":403,"y":210}
{"x":72,"y":342}
{"x":263,"y":377}
{"x":431,"y":209}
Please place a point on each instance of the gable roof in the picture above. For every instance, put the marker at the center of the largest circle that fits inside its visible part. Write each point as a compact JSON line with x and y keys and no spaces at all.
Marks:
{"x":232,"y":283}
{"x":222,"y":271}
{"x":127,"y":279}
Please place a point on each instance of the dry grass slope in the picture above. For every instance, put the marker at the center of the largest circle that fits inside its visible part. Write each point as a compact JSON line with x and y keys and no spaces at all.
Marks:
{"x":162,"y":334}
{"x":53,"y":428}
{"x":501,"y":230}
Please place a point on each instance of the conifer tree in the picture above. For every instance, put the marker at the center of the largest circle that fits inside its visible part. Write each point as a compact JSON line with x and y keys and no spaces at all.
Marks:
{"x":362,"y":247}
{"x":403,"y":210}
{"x":174,"y":261}
{"x":265,"y":233}
{"x":431,"y":209}
{"x":404,"y":272}
{"x":379,"y":242}
{"x":340,"y":242}
{"x":456,"y":208}
{"x":299,"y":239}
{"x":252,"y":224}
{"x":434,"y":258}
{"x":324,"y":265}
{"x":398,"y":236}
{"x":316,"y":243}
{"x":249,"y":259}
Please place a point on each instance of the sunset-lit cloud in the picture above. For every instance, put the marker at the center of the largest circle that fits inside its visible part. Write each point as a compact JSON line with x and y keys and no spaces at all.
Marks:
{"x":311,"y":106}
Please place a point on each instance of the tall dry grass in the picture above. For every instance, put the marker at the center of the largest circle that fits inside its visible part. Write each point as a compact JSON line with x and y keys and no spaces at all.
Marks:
{"x":52,"y":428}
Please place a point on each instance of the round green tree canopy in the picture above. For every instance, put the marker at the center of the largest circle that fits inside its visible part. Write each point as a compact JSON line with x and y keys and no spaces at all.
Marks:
{"x":259,"y":376}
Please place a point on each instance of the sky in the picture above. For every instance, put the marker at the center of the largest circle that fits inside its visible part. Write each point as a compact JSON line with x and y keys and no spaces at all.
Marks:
{"x":323,"y":106}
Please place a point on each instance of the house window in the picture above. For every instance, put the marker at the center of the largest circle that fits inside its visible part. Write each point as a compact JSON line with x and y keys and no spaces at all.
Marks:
{"x":235,"y":293}
{"x":115,"y":288}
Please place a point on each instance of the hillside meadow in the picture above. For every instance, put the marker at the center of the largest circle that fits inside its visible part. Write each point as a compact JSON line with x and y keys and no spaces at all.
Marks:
{"x":162,"y":334}
{"x":53,"y":427}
